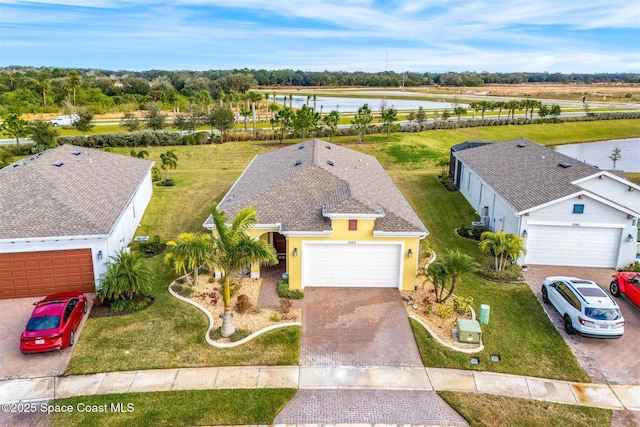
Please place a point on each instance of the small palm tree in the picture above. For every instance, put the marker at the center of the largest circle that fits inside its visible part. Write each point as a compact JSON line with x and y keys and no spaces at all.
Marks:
{"x":451,"y":266}
{"x":503,"y":246}
{"x":128,"y":274}
{"x":233,"y":249}
{"x":142,"y":154}
{"x":190,"y":252}
{"x":169,"y":161}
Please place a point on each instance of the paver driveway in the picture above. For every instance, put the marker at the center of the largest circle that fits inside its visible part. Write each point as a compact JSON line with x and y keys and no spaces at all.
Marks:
{"x":15,"y":314}
{"x":356,"y":327}
{"x":607,"y":361}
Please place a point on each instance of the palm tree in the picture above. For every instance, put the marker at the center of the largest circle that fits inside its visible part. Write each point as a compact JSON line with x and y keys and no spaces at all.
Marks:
{"x":74,"y":82}
{"x":233,"y":249}
{"x":191,"y":251}
{"x":499,"y":105}
{"x":503,"y":246}
{"x":142,"y":154}
{"x":458,"y":111}
{"x":253,"y":98}
{"x":169,"y":161}
{"x":455,"y":264}
{"x":128,"y":274}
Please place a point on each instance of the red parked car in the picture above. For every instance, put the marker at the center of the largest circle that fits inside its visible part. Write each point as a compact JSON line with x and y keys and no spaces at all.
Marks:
{"x":54,"y":322}
{"x":628,"y":285}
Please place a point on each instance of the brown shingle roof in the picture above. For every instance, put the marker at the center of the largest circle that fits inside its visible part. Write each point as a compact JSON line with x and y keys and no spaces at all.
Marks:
{"x":340,"y":179}
{"x":84,"y":196}
{"x":525,"y":174}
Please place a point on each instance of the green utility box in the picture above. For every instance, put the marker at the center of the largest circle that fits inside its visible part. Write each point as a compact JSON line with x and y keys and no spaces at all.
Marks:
{"x":469,"y":331}
{"x":484,"y":314}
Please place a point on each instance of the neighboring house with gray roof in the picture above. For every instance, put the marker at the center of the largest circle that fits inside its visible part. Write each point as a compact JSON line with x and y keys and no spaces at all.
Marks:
{"x":333,"y":215}
{"x":569,"y":212}
{"x":63,"y":213}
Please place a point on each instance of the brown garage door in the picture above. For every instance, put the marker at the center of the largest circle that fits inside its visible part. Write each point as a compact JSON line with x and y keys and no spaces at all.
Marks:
{"x":28,"y":274}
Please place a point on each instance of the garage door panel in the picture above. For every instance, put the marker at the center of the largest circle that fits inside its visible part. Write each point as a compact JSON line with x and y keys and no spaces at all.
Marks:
{"x":573,"y":246}
{"x":351,"y":265}
{"x":40,"y":273}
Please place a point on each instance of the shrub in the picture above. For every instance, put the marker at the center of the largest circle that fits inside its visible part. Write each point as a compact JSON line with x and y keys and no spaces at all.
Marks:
{"x":462,"y":305}
{"x":285,"y":292}
{"x":444,"y":310}
{"x":243,"y":304}
{"x":128,"y":275}
{"x":634,"y":266}
{"x":156,"y":175}
{"x":428,"y":305}
{"x":275,"y":317}
{"x":185,"y":291}
{"x":129,"y":305}
{"x":212,"y":279}
{"x":285,"y":305}
{"x":511,"y":273}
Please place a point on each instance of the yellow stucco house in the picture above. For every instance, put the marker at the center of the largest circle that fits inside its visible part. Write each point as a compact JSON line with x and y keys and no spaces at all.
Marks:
{"x":332,"y":214}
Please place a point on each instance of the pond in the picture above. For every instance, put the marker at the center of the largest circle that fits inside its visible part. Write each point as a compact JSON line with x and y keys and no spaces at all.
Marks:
{"x":598,"y":153}
{"x":351,"y":105}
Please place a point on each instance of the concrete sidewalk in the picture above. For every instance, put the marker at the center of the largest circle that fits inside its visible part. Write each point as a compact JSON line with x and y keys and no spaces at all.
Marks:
{"x":615,"y":397}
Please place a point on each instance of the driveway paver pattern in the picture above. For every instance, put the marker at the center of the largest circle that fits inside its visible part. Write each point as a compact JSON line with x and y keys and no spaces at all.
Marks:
{"x":611,"y":361}
{"x":369,"y":407}
{"x":15,"y":314}
{"x":356,"y":327}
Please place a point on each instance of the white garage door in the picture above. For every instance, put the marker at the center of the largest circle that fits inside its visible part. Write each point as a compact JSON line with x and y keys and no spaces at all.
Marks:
{"x":351,"y":265}
{"x":576,"y":246}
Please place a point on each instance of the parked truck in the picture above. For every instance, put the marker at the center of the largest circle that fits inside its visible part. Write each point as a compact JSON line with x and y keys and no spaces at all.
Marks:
{"x":68,"y":120}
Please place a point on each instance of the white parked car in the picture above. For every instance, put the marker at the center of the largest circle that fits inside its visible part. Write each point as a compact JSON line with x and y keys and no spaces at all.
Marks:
{"x":65,"y":120}
{"x":584,"y":306}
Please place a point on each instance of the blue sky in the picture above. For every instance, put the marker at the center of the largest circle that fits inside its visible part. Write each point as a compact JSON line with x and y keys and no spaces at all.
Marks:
{"x":582,"y":36}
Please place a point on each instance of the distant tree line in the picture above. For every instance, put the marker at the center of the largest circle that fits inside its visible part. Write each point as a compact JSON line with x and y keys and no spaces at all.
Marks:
{"x":50,"y":90}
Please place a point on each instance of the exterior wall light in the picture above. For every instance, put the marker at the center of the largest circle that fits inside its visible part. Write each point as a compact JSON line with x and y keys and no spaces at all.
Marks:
{"x":410,"y":253}
{"x":629,"y":238}
{"x":295,"y":251}
{"x":99,"y":255}
{"x":524,"y":233}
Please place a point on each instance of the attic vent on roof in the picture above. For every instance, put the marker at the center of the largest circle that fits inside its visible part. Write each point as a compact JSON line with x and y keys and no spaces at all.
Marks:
{"x":330,"y":162}
{"x":20,"y":163}
{"x":57,"y":163}
{"x":301,"y":147}
{"x":328,"y":147}
{"x":298,"y":162}
{"x":75,"y":153}
{"x":564,"y":164}
{"x":522,"y":144}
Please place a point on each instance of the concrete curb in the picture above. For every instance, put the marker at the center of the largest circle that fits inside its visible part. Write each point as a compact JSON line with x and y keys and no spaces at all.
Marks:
{"x":212,"y":324}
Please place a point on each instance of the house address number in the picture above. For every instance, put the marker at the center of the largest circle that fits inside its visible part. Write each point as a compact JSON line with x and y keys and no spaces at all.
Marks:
{"x":576,"y":224}
{"x":351,"y":242}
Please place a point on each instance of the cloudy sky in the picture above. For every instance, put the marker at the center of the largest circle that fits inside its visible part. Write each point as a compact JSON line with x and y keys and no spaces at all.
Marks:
{"x":583,"y":36}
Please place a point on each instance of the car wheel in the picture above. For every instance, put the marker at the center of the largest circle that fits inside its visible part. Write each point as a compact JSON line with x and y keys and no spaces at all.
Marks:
{"x":614,"y":288}
{"x":71,"y":338}
{"x":568,"y":326}
{"x":545,"y":296}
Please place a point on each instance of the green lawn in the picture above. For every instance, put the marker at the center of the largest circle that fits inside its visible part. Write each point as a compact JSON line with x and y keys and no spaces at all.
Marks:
{"x":489,"y":410}
{"x":176,"y":408}
{"x":170,"y":334}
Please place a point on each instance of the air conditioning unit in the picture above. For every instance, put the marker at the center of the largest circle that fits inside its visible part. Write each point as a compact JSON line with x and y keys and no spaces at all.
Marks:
{"x":469,"y":331}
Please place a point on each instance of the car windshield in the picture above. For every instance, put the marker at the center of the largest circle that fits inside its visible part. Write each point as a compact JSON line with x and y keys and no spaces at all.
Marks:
{"x":43,"y":323}
{"x":603,"y":313}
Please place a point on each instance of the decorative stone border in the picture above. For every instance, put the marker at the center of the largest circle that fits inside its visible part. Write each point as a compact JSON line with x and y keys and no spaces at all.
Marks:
{"x":212,"y":323}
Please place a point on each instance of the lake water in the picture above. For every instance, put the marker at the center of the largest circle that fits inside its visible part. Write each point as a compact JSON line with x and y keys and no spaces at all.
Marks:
{"x":597,"y":153}
{"x":351,"y":105}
